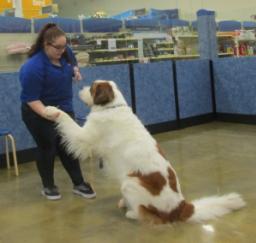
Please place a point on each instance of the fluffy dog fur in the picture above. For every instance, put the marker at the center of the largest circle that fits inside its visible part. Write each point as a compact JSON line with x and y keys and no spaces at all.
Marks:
{"x":149,"y":184}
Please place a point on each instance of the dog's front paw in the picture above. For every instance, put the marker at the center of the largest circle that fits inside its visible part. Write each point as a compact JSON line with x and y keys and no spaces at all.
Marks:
{"x":52,"y":113}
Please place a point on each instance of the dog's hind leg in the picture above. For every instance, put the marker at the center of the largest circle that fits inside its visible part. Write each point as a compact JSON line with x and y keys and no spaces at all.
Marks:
{"x":133,"y":197}
{"x":131,"y":215}
{"x":121,"y":203}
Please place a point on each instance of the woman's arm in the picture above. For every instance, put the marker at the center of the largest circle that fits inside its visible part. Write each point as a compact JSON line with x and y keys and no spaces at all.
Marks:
{"x":72,"y":58}
{"x":38,"y":107}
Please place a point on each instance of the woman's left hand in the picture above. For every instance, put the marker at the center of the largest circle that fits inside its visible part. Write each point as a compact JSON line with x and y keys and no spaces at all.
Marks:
{"x":77,"y":74}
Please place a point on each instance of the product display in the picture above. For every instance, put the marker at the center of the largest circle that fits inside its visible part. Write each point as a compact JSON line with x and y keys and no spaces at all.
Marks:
{"x":175,"y":43}
{"x":245,"y":43}
{"x":226,"y":43}
{"x":132,"y":47}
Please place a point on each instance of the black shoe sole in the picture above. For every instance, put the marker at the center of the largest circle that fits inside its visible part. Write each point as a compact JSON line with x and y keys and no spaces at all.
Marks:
{"x":57,"y":197}
{"x":88,"y":196}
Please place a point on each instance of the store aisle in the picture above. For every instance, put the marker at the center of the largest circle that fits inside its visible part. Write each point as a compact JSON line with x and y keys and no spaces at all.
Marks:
{"x":214,"y":158}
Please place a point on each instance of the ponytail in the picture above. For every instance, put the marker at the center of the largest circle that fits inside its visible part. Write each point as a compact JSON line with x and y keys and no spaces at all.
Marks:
{"x":49,"y":32}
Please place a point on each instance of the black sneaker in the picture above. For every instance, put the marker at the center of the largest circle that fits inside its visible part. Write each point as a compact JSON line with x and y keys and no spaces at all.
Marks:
{"x":51,"y":193}
{"x":84,"y":190}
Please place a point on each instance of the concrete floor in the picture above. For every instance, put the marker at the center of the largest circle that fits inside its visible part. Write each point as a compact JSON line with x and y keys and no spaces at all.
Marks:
{"x":209,"y":159}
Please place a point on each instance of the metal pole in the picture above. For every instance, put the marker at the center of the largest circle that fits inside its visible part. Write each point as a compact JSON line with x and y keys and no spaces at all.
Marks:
{"x":17,"y":4}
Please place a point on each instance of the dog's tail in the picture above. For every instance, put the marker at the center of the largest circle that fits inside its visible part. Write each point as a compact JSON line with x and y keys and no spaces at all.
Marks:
{"x":216,"y":206}
{"x":199,"y":210}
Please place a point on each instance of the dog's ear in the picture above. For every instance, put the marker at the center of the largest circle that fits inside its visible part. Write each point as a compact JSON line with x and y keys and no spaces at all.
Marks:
{"x":103,"y":94}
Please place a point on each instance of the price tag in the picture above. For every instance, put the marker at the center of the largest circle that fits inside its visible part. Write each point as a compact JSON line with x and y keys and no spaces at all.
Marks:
{"x":112,"y":44}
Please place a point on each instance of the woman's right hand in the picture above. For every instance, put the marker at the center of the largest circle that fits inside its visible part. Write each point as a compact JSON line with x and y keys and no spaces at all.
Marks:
{"x":77,"y":74}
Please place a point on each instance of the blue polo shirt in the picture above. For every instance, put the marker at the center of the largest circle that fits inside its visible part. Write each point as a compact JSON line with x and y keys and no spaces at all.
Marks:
{"x":44,"y":81}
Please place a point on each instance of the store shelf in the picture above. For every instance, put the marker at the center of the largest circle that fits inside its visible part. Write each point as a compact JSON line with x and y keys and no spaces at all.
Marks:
{"x":165,"y":43}
{"x":114,"y":50}
{"x":226,"y":34}
{"x":174,"y":57}
{"x":115,"y":60}
{"x":165,"y":49}
{"x":246,"y":40}
{"x":187,"y":36}
{"x":160,"y":57}
{"x":117,"y":39}
{"x":226,"y":54}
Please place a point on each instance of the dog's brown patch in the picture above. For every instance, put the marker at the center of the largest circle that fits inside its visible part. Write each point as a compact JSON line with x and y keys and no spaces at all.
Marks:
{"x":102,"y":93}
{"x":153,"y":182}
{"x":172,"y":179}
{"x":181,"y":213}
{"x":171,"y":174}
{"x":160,"y":151}
{"x":188,"y":211}
{"x":151,"y":215}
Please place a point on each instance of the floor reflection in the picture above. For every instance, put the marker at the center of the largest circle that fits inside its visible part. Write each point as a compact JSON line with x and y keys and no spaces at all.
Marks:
{"x":214,"y":158}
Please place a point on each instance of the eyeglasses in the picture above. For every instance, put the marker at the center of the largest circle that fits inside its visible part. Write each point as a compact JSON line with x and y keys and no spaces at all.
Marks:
{"x":58,"y":48}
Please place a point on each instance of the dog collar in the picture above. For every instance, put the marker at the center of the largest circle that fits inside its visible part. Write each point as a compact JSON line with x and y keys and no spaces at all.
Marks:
{"x":109,"y":107}
{"x":115,"y":106}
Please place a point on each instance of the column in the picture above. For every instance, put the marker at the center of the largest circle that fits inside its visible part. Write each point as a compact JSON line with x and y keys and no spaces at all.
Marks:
{"x":208,"y":48}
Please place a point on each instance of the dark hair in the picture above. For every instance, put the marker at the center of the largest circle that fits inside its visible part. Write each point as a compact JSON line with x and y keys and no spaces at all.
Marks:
{"x":48,"y":33}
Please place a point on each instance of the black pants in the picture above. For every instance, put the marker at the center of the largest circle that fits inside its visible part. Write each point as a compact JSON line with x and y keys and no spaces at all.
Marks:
{"x":48,"y":146}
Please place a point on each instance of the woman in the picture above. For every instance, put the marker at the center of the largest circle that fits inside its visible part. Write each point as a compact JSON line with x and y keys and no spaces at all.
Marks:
{"x":46,"y":79}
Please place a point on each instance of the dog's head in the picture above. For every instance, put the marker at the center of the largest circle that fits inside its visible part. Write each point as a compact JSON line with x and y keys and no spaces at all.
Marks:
{"x":101,"y":92}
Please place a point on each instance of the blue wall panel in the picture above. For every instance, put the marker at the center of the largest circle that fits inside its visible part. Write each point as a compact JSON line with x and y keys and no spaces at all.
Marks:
{"x":66,"y":24}
{"x":10,"y":113}
{"x":235,"y":85}
{"x":155,"y":102}
{"x":235,"y":88}
{"x":194,"y":88}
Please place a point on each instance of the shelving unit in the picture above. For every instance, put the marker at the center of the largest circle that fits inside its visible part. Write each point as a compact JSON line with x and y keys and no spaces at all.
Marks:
{"x":147,"y":46}
{"x":226,"y":44}
{"x":187,"y":44}
{"x":245,"y":43}
{"x":158,"y":46}
{"x":126,"y":49}
{"x":107,"y":50}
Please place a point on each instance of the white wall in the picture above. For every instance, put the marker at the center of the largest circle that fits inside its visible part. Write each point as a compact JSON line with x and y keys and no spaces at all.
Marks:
{"x":13,"y":62}
{"x":225,"y":9}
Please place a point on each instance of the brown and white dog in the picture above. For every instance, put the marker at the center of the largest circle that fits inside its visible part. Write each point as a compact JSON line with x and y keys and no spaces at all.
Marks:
{"x":149,"y":184}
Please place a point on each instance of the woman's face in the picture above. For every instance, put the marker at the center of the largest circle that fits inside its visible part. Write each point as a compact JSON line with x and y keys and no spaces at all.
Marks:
{"x":55,"y":49}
